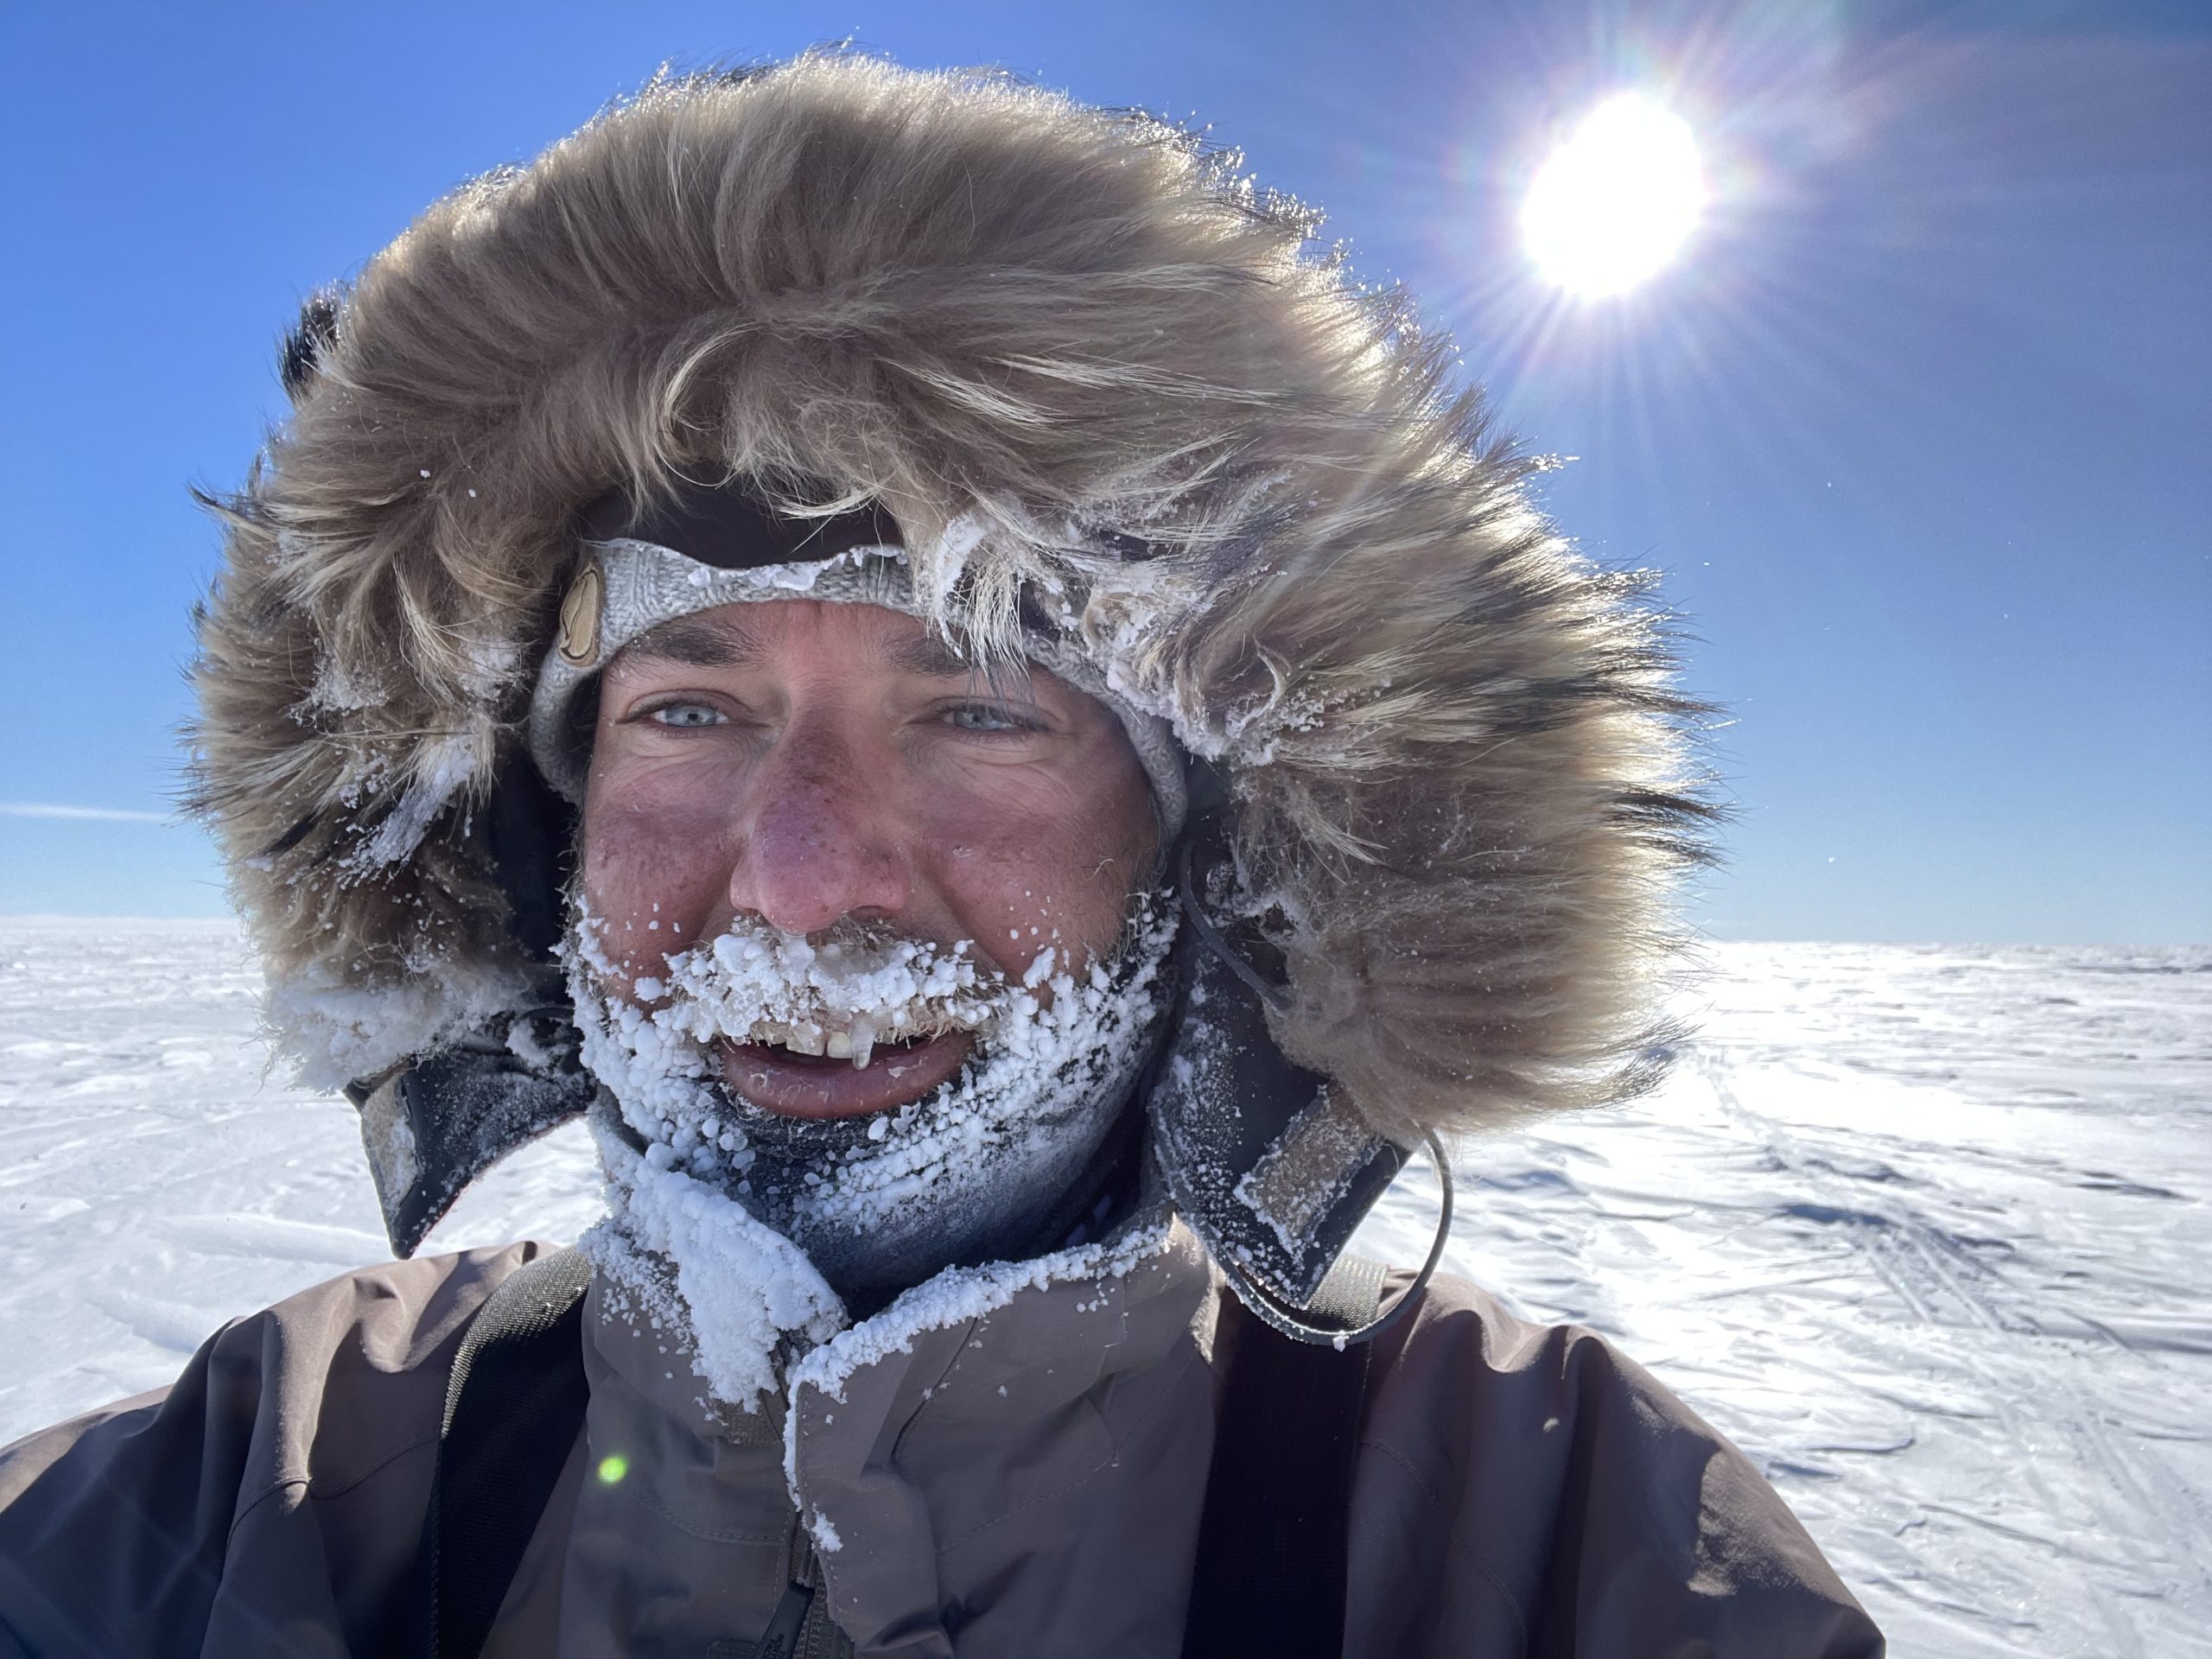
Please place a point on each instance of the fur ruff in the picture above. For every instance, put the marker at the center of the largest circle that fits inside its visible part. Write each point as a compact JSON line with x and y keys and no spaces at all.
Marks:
{"x":1104,"y":385}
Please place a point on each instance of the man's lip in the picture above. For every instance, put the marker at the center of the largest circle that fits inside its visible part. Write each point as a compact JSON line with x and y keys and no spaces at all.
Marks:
{"x":777,"y":1080}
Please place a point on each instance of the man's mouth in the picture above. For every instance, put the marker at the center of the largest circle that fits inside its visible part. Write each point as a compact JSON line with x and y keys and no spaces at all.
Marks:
{"x":808,"y":1072}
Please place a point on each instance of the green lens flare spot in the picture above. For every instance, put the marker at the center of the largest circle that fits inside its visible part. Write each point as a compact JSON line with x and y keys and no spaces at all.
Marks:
{"x":612,"y":1470}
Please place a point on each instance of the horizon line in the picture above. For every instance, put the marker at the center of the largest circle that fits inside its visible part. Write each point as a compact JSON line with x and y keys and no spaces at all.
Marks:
{"x":102,"y":814}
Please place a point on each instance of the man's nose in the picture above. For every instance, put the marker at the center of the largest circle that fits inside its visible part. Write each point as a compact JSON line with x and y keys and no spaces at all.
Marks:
{"x":821,"y":845}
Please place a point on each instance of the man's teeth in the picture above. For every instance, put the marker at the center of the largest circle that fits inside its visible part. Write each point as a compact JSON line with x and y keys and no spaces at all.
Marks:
{"x":857,"y":1042}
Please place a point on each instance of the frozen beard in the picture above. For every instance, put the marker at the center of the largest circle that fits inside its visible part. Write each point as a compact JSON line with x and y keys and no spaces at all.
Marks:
{"x":969,"y":1172}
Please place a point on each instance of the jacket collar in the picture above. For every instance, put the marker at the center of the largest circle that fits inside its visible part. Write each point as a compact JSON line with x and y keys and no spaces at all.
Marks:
{"x":973,"y":1396}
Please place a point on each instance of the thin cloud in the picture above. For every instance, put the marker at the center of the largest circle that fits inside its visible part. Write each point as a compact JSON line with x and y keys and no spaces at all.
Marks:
{"x":102,"y":814}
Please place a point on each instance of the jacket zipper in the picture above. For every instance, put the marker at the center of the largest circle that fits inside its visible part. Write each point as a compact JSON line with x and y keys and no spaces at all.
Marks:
{"x":788,"y":1623}
{"x":800,"y":1627}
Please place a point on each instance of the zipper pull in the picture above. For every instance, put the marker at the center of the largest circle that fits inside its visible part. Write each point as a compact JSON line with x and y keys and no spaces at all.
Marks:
{"x":781,"y":1639}
{"x":788,"y":1623}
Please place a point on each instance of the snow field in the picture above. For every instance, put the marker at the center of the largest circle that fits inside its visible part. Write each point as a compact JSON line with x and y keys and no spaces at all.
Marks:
{"x":1923,"y":1230}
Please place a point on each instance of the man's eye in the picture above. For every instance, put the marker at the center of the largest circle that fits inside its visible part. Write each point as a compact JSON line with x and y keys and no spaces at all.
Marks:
{"x":985,"y":717}
{"x":686,"y":713}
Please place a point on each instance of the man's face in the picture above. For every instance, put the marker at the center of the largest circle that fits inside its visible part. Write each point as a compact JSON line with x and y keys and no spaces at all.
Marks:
{"x":806,"y":763}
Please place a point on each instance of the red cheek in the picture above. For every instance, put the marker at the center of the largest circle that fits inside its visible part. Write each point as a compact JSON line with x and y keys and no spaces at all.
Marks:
{"x":652,"y":884}
{"x":1018,"y":886}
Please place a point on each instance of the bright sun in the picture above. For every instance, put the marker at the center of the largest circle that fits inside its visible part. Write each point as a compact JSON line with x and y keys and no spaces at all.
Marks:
{"x":1615,"y":202}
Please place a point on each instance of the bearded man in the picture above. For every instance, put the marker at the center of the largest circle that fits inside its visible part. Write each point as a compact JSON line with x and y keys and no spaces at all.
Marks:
{"x":1003,"y":733}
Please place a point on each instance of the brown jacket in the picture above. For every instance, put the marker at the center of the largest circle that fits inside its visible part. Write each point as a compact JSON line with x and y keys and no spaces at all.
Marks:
{"x":1024,"y":1483}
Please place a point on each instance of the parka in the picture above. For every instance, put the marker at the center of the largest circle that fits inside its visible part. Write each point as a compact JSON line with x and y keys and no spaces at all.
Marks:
{"x":1010,"y":1464}
{"x":1121,"y":410}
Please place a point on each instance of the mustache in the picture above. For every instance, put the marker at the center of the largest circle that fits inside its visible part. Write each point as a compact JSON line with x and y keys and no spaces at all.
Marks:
{"x":839,"y":992}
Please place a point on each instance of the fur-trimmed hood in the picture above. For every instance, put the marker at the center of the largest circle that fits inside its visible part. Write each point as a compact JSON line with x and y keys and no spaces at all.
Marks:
{"x":1104,"y":387}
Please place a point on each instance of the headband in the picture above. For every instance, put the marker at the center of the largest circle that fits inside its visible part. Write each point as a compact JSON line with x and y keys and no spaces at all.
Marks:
{"x":643,"y":564}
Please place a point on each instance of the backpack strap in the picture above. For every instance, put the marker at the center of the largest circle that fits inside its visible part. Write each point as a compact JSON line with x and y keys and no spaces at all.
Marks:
{"x":1274,"y":1535}
{"x":514,"y":1406}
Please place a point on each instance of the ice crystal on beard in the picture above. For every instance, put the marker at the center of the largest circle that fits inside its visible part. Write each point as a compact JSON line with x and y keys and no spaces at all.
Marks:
{"x":1045,"y":1048}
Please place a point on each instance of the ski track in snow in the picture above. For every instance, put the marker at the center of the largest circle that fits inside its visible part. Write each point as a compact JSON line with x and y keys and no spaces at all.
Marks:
{"x":1923,"y":1230}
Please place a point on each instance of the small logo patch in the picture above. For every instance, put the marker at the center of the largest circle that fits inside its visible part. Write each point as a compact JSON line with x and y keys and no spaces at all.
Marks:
{"x":579,"y":618}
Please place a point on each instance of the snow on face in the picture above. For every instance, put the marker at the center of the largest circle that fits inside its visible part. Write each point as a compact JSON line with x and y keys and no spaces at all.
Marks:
{"x":838,"y":997}
{"x":761,"y":776}
{"x":800,"y":762}
{"x":698,"y":1173}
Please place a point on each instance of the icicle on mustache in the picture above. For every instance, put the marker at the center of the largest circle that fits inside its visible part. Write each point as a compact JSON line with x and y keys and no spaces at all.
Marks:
{"x":762,"y":1218}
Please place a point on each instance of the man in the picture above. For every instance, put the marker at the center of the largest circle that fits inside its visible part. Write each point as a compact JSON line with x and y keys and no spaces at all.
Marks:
{"x":1006,"y":738}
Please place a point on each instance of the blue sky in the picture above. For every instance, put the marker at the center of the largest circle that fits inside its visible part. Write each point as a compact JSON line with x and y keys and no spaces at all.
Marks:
{"x":1918,"y":429}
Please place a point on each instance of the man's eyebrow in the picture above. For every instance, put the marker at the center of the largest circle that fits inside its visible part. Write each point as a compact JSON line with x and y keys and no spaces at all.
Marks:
{"x":929,"y":656}
{"x":726,"y":642}
{"x":925,"y":653}
{"x":697,"y":642}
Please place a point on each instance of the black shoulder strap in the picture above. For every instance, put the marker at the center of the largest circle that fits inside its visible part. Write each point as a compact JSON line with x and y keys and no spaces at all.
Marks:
{"x":1272,"y":1542}
{"x":514,"y":1406}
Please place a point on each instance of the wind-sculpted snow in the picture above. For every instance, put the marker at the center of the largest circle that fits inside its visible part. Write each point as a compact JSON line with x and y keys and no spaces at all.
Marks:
{"x":1925,"y":1230}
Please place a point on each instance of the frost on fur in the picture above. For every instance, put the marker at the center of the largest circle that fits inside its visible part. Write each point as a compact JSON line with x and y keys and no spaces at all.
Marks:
{"x":338,"y":1030}
{"x":1110,"y":393}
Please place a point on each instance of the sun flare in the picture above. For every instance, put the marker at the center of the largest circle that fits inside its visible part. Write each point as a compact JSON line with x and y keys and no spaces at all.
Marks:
{"x":1615,"y":202}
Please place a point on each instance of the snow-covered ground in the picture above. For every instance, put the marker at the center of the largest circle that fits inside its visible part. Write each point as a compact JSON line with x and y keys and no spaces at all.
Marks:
{"x":1925,"y":1231}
